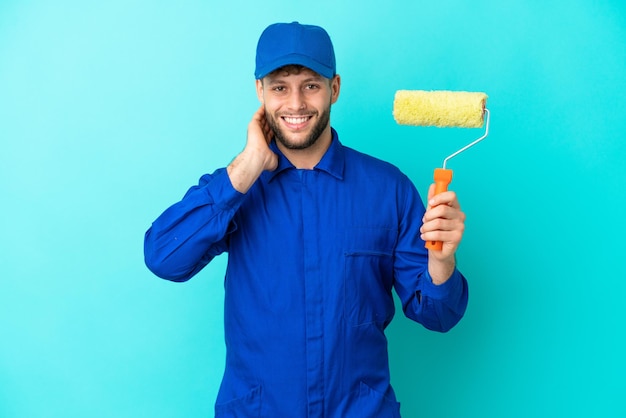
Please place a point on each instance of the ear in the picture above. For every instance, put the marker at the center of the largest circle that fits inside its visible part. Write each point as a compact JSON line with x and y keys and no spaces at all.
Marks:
{"x":335,"y":87}
{"x":259,"y":91}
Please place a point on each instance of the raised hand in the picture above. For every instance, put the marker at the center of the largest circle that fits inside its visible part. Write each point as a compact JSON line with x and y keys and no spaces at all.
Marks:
{"x":256,"y":156}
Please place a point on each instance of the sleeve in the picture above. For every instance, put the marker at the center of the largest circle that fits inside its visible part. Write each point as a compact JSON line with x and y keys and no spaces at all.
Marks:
{"x":190,"y":233}
{"x":436,"y":307}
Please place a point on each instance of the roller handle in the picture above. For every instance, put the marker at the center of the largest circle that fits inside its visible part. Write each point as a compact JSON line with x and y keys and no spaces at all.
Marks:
{"x":443,"y":177}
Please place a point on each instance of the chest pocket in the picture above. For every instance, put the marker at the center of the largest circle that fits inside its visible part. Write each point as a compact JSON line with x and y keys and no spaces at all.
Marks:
{"x":368,"y":274}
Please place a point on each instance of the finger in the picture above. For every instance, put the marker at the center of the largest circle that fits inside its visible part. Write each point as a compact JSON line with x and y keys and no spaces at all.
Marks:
{"x":450,"y":231}
{"x":431,"y":193}
{"x":450,"y":237}
{"x":448,"y":198}
{"x":443,"y":212}
{"x":269,"y":133}
{"x":259,"y":115}
{"x":267,"y":129}
{"x":449,"y":223}
{"x":261,"y":122}
{"x":443,"y":223}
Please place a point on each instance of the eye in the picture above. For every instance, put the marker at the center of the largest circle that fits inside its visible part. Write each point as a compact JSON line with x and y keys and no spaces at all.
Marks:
{"x":312,"y":86}
{"x":278,"y":89}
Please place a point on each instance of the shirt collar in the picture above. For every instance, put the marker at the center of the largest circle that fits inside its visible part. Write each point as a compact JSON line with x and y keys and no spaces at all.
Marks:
{"x":332,"y":162}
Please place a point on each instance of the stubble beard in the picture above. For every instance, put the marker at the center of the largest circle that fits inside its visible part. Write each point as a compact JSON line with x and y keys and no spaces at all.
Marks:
{"x":315,"y":134}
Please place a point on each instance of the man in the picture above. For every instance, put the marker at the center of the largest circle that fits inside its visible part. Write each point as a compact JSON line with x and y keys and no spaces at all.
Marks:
{"x":317,"y":236}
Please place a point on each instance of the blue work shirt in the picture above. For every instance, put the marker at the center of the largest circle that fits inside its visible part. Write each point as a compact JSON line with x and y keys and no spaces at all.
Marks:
{"x":313,"y":256}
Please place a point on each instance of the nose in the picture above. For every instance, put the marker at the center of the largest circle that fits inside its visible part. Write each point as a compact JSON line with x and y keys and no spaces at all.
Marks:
{"x":296,"y":100}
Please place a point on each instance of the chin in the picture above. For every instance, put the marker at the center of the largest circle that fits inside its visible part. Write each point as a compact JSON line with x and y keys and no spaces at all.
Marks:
{"x":297,"y":144}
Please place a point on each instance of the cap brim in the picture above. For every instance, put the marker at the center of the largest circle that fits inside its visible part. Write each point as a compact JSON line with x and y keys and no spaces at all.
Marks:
{"x":294,"y":59}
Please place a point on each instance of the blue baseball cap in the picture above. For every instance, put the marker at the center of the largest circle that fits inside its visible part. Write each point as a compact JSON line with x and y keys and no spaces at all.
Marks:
{"x":283,"y":44}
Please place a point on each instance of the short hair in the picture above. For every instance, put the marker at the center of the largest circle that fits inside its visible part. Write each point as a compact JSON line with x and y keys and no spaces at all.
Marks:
{"x":292,"y":69}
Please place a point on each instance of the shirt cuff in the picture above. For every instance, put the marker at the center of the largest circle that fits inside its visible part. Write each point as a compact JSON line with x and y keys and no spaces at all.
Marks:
{"x":449,"y":289}
{"x":224,"y":193}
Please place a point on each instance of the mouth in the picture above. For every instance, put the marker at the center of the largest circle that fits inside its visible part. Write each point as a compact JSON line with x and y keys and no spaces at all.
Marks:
{"x":296,"y":122}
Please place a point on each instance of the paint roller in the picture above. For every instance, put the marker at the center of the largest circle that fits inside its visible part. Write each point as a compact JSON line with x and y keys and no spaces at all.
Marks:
{"x":458,"y":109}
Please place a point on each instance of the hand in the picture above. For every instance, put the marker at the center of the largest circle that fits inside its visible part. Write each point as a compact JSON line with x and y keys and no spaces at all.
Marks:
{"x":259,"y":137}
{"x":443,"y":221}
{"x":256,"y":157}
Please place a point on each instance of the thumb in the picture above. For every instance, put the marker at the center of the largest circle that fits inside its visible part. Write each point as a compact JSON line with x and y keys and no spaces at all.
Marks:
{"x":431,"y":193}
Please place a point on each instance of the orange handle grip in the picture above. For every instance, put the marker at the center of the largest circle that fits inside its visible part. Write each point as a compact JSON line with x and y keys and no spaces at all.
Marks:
{"x":443,"y":177}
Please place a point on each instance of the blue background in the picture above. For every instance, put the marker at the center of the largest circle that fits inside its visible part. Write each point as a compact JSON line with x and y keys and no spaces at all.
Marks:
{"x":109,"y":111}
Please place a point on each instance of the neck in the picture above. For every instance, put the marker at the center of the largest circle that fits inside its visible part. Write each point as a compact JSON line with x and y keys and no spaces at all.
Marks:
{"x":308,"y":158}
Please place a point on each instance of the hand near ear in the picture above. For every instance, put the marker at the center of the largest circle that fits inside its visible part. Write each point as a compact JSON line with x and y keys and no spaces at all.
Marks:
{"x":256,"y":157}
{"x":259,"y":137}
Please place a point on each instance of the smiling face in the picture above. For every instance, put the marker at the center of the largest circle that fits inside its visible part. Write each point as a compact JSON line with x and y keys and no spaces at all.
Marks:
{"x":297,"y":105}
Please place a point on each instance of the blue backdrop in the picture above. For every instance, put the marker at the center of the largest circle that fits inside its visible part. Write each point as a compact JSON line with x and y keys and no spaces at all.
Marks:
{"x":109,"y":111}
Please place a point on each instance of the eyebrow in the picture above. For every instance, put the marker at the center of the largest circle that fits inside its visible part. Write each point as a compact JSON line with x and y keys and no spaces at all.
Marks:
{"x":315,"y":78}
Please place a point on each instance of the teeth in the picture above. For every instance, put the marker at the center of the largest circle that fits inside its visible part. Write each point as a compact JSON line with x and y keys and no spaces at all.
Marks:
{"x":295,"y":121}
